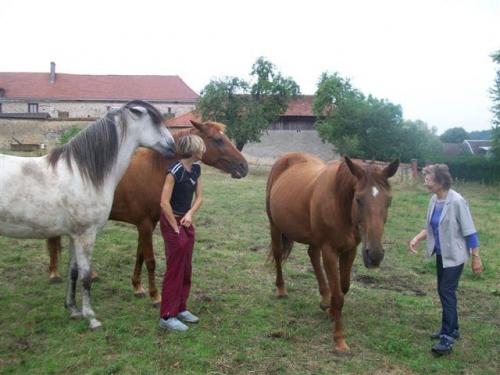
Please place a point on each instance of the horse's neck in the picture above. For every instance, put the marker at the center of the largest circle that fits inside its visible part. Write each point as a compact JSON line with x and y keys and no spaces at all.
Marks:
{"x":126,"y":149}
{"x":342,"y":186}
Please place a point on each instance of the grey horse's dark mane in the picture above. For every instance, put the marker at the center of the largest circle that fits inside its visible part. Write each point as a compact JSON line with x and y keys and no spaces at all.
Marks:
{"x":95,"y":149}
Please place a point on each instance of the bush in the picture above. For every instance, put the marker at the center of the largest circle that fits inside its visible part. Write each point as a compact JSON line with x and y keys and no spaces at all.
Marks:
{"x":69,"y":134}
{"x":471,"y":168}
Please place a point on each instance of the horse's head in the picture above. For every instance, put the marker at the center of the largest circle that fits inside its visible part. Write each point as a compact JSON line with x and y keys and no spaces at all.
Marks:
{"x":372,"y":198}
{"x":220,"y":152}
{"x":151,"y":132}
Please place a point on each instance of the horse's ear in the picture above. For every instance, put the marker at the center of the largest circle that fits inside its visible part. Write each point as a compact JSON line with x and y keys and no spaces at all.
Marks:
{"x":138,"y":110}
{"x":355,"y":169}
{"x":197,"y":125}
{"x":391,"y":169}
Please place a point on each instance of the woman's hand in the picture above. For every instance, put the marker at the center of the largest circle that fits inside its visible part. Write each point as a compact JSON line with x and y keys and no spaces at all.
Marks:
{"x":187,"y":220}
{"x":477,"y":265}
{"x":412,"y":245}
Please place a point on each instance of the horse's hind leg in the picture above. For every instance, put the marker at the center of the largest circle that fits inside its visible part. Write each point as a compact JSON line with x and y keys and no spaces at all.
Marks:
{"x":324,"y":290}
{"x":277,"y":252}
{"x":54,"y":248}
{"x":70,"y":303}
{"x":84,"y":245}
{"x":139,"y":260}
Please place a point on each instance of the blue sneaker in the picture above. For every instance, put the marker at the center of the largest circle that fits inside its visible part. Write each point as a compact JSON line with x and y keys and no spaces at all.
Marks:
{"x":173,"y":324}
{"x":437,"y":335}
{"x":188,"y":317}
{"x":444,"y":346}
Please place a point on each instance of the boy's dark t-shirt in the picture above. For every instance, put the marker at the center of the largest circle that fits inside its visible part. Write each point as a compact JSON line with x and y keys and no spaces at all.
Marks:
{"x":184,"y":187}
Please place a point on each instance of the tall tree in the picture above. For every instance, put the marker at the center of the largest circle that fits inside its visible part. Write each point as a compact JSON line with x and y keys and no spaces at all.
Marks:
{"x":454,"y":135}
{"x":495,"y":95}
{"x":247,"y":108}
{"x":364,"y":127}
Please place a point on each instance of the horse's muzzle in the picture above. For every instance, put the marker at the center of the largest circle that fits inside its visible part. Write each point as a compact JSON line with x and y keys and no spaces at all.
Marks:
{"x":372,"y":258}
{"x":239,"y":170}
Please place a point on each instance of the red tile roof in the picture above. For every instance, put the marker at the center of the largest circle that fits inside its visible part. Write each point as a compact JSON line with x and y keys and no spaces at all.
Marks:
{"x":183,"y":120}
{"x":300,"y":106}
{"x":95,"y":87}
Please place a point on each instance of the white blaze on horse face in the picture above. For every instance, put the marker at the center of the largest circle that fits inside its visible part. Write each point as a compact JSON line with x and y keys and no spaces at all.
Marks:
{"x":374,"y":191}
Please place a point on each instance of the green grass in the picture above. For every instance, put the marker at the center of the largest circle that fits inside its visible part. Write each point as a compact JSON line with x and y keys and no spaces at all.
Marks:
{"x":244,"y":329}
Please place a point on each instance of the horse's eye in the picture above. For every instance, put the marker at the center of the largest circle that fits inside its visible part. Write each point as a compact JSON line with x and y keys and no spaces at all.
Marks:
{"x":219,"y":141}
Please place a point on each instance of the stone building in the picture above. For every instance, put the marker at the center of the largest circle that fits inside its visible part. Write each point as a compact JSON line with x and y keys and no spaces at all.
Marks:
{"x":31,"y":103}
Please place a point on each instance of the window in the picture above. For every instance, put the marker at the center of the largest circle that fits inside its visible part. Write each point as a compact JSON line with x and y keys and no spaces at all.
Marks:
{"x":32,"y":107}
{"x":0,"y":107}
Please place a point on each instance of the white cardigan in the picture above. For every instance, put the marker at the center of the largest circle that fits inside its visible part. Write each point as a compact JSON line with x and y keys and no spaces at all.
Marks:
{"x":455,"y":223}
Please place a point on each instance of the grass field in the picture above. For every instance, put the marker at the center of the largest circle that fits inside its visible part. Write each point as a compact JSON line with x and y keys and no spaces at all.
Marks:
{"x":244,"y":329}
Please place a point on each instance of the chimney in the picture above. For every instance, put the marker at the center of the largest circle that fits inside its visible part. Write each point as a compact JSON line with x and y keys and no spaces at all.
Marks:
{"x":52,"y":72}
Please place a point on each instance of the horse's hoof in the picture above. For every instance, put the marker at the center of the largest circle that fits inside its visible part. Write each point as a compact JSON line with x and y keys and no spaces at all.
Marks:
{"x":324,"y":306}
{"x":140,"y":294}
{"x":156,"y":305}
{"x":55,"y":279}
{"x":94,"y":276}
{"x":281,"y":293}
{"x":94,"y":324}
{"x":76,"y":314}
{"x":342,"y":348}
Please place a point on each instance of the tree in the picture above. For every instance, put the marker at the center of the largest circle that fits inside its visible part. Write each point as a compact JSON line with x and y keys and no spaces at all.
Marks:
{"x":495,"y":95}
{"x":454,"y":135}
{"x":248,"y":108}
{"x":364,"y":127}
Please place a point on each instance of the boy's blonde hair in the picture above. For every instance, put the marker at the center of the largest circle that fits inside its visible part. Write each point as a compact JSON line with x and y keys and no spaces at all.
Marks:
{"x":189,"y":145}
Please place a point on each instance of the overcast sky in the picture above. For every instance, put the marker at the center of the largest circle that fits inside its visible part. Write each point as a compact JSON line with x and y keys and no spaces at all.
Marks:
{"x":431,"y":57}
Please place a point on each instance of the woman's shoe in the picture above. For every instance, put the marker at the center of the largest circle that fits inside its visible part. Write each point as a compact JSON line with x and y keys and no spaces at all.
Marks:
{"x":173,"y":324}
{"x":444,"y":346}
{"x":437,"y":335}
{"x":188,"y":317}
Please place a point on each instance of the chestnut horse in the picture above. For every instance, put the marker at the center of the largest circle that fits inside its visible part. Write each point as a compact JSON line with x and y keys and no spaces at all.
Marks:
{"x":332,"y":208}
{"x":137,"y":196}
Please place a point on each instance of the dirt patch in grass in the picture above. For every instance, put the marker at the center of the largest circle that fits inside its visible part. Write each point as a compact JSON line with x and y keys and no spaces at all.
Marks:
{"x":394,"y":283}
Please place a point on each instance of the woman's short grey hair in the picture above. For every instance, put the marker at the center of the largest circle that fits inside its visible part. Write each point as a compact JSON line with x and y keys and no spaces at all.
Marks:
{"x":440,"y":174}
{"x":189,"y":145}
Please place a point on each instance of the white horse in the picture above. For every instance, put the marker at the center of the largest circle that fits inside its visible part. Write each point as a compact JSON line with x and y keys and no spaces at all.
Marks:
{"x":70,"y":191}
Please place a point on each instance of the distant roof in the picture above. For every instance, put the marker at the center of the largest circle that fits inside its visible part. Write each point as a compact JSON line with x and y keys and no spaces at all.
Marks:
{"x":95,"y":87}
{"x":183,"y":120}
{"x":477,"y":146}
{"x":300,"y":106}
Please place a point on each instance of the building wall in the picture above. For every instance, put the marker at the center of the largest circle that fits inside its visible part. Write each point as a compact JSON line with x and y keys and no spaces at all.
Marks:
{"x":78,"y":109}
{"x":275,"y":143}
{"x":35,"y":131}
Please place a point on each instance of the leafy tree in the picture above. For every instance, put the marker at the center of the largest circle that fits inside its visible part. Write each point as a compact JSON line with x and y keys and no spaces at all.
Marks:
{"x":454,"y":135}
{"x":364,"y":127}
{"x":495,"y":95}
{"x":248,"y":108}
{"x":418,"y":141}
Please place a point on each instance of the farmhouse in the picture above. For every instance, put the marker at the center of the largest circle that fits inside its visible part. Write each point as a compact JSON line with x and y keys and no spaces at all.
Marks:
{"x":467,"y":147}
{"x":34,"y":107}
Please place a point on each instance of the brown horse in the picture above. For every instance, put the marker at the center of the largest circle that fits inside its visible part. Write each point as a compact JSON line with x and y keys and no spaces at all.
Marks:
{"x":137,"y":197}
{"x":332,"y":208}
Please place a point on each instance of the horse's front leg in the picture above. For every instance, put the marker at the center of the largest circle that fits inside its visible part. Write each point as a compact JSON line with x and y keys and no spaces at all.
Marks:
{"x":346,"y":260}
{"x":331,"y":265}
{"x":84,"y":245}
{"x":324,"y":290}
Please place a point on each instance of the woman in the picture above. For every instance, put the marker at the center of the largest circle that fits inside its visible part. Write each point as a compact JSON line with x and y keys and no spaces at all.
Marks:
{"x":182,"y":181}
{"x":452,"y":237}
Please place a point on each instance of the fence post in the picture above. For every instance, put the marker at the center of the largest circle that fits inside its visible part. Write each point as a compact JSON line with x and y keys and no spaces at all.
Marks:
{"x":414,"y":170}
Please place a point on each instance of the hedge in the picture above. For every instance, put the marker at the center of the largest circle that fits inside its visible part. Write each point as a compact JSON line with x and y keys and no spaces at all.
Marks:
{"x":471,"y":168}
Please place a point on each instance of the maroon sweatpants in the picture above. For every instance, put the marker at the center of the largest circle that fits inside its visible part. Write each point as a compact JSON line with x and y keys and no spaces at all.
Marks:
{"x":177,"y":278}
